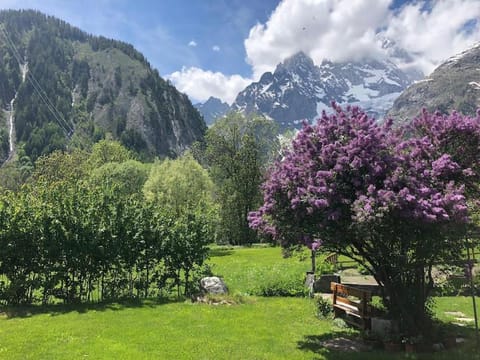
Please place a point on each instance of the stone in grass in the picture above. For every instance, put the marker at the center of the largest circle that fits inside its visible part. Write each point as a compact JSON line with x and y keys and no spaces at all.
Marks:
{"x":213,"y":285}
{"x":322,"y":285}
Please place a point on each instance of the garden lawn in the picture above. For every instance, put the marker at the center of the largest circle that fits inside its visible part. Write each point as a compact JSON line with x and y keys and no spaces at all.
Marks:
{"x":248,"y":270}
{"x":259,"y":328}
{"x":262,"y":328}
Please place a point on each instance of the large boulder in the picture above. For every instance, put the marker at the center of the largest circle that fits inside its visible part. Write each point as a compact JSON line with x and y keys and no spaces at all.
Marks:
{"x":213,"y":285}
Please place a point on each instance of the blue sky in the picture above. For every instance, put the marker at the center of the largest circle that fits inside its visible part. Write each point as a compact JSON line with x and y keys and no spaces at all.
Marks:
{"x":163,"y":29}
{"x":217,"y":47}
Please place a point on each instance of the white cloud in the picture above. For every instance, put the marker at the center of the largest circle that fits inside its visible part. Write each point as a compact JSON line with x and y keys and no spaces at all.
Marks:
{"x":201,"y":84}
{"x":192,"y":43}
{"x":433,"y":36}
{"x":334,"y":29}
{"x":216,"y":48}
{"x":348,"y":30}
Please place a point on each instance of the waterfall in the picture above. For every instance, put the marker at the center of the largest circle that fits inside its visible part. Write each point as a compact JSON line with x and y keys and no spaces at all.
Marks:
{"x":10,"y":126}
{"x":11,"y":118}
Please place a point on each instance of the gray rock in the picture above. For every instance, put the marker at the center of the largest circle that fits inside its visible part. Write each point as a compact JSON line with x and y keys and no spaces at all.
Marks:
{"x":382,"y":327}
{"x":213,"y":285}
{"x":322,"y":285}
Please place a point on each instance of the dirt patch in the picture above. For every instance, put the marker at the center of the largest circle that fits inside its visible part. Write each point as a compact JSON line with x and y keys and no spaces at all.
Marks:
{"x":344,"y":344}
{"x":464,"y":319}
{"x":454,"y":313}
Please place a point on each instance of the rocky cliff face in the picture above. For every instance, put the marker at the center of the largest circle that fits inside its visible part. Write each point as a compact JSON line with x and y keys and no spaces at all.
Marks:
{"x":299,"y":90}
{"x":454,"y":85}
{"x":81,"y":88}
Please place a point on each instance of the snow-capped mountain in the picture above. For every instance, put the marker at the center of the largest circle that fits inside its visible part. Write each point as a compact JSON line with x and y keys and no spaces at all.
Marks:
{"x":212,"y":109}
{"x":299,"y":90}
{"x":454,"y":85}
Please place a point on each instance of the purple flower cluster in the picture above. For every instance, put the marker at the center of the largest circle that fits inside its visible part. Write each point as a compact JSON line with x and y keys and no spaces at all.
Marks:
{"x":348,"y":171}
{"x":456,"y":136}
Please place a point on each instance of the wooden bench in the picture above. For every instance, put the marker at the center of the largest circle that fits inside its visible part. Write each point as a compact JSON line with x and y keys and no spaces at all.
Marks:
{"x":354,"y":303}
{"x":332,"y":259}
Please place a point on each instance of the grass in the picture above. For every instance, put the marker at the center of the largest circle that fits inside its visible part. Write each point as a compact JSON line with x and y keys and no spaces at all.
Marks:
{"x":247,"y":270}
{"x":263,"y":329}
{"x":259,"y":328}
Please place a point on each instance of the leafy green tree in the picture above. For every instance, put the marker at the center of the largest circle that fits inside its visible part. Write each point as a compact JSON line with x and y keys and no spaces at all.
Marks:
{"x":237,"y":152}
{"x":128,"y":177}
{"x":106,"y":151}
{"x":182,"y":193}
{"x":185,"y":248}
{"x":180,"y":185}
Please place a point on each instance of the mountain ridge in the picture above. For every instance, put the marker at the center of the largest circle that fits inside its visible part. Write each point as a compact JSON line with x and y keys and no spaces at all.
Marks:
{"x":103,"y":87}
{"x":300,"y":90}
{"x":212,"y":109}
{"x":453,"y":85}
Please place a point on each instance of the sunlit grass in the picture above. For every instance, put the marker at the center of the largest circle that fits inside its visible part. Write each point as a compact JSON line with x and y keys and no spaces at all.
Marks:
{"x":245,"y":270}
{"x":258,"y":328}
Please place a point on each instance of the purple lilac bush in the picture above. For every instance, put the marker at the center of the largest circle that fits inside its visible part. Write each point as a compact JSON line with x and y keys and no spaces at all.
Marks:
{"x":393,"y":199}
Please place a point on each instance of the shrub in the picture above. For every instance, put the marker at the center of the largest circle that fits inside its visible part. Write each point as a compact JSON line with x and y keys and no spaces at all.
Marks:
{"x":279,"y":282}
{"x":324,"y":307}
{"x":325,"y":268}
{"x":339,"y":323}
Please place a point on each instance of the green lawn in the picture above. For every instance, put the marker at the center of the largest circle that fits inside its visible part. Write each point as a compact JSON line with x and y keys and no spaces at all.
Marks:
{"x":260,"y":328}
{"x":246,"y":269}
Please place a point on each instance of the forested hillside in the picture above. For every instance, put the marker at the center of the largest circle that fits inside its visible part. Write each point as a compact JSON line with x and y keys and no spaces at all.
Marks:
{"x":77,"y":89}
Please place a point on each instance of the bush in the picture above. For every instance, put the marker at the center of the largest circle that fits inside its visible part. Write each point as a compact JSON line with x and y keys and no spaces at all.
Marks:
{"x":451,"y":281}
{"x":199,"y":272}
{"x":325,"y":268}
{"x":280,"y":282}
{"x":283,"y":287}
{"x":340,"y":323}
{"x":363,"y":270}
{"x":324,"y":307}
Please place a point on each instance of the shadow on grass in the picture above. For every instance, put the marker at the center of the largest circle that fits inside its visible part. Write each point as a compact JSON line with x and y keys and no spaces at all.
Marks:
{"x":25,"y":311}
{"x":342,"y":345}
{"x":218,"y":252}
{"x":333,"y":345}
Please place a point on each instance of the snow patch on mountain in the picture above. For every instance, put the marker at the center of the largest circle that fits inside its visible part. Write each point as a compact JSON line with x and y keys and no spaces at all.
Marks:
{"x":299,"y":90}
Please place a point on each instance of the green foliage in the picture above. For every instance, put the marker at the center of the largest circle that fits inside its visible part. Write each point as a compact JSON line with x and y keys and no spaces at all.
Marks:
{"x":237,"y":151}
{"x":77,"y":232}
{"x":340,"y":323}
{"x":107,"y":151}
{"x":363,"y":270}
{"x":279,"y":284}
{"x":79,"y":87}
{"x":324,"y":267}
{"x":324,"y":307}
{"x":127,"y":177}
{"x":259,"y":271}
{"x":180,"y":185}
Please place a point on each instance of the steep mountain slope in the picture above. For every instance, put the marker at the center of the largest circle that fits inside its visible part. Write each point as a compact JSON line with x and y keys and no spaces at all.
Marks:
{"x":299,"y":90}
{"x":212,"y":109}
{"x":454,"y":85}
{"x":81,"y":88}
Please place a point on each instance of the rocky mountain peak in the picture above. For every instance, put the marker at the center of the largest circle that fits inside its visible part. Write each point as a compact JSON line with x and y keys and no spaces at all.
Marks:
{"x":300,"y":62}
{"x":299,"y":90}
{"x":212,"y":109}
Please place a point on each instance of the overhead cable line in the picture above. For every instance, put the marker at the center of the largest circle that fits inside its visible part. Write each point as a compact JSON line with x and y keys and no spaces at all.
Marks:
{"x":68,"y":127}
